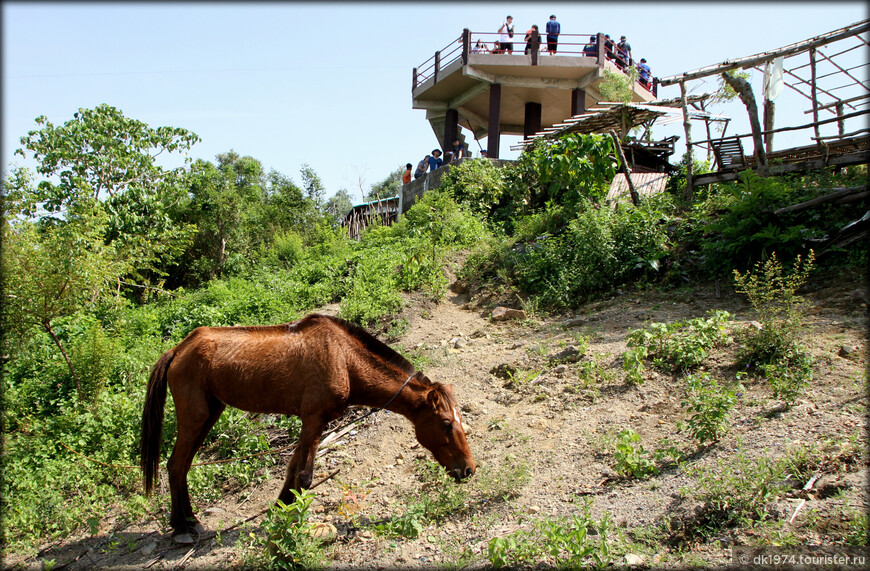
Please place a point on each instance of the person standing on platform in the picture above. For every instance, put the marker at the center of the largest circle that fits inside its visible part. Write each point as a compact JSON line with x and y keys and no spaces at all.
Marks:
{"x":457,"y":151}
{"x":644,"y":70}
{"x":422,"y":167}
{"x":506,"y":35}
{"x":435,"y":160}
{"x":406,"y":176}
{"x":528,"y":39}
{"x":591,"y":49}
{"x":623,"y":51}
{"x":553,"y":30}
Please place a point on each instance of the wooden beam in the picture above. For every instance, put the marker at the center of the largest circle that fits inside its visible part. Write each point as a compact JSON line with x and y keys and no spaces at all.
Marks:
{"x":815,"y":93}
{"x":837,"y":194}
{"x":494,"y":131}
{"x":687,"y":127}
{"x":792,"y":49}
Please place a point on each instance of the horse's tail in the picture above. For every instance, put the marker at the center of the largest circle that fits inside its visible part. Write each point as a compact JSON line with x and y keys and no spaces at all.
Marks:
{"x":152,"y":420}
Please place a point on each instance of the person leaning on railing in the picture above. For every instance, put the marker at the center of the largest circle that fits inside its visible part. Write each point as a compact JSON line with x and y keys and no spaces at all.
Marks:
{"x":645,"y":73}
{"x":528,"y":39}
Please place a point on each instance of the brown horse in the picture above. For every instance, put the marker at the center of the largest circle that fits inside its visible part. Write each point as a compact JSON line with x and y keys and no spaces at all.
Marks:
{"x":313,"y":368}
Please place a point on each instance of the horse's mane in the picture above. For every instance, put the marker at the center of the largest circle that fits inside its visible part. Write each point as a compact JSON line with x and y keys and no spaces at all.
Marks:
{"x":377,"y":348}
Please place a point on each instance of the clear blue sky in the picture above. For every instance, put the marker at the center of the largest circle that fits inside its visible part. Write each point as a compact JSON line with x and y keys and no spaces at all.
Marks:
{"x":329,"y":84}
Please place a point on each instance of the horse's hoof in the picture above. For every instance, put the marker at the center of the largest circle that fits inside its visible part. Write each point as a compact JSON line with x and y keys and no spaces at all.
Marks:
{"x":190,"y":534}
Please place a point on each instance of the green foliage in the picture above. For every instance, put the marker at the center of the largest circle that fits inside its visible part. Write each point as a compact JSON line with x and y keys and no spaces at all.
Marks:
{"x":572,"y":168}
{"x":710,"y":405}
{"x":572,"y":542}
{"x":290,"y":544}
{"x":735,"y":491}
{"x":479,"y":186}
{"x":102,"y":157}
{"x":774,"y":348}
{"x":599,"y":249}
{"x":618,"y":87}
{"x":630,"y":457}
{"x":674,"y":346}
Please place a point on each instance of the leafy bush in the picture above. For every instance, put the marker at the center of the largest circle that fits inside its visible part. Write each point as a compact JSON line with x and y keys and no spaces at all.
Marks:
{"x":289,"y":540}
{"x":629,"y":457}
{"x":774,"y":348}
{"x":674,"y":346}
{"x":572,"y":542}
{"x":710,"y":404}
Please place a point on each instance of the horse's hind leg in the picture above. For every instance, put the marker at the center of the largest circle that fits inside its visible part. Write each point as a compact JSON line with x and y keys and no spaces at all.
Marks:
{"x":300,"y":469}
{"x":196,"y":417}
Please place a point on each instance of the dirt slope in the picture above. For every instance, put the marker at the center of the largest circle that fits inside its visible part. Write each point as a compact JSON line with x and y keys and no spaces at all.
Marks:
{"x":558,"y":422}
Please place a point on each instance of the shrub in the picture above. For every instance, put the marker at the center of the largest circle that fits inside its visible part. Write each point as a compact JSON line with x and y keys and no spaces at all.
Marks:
{"x":710,"y":404}
{"x":289,"y":541}
{"x":674,"y":346}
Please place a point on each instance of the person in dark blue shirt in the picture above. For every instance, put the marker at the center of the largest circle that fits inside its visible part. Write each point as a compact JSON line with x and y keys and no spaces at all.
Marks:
{"x":435,"y":160}
{"x":591,"y":49}
{"x":553,"y":30}
{"x":644,"y":70}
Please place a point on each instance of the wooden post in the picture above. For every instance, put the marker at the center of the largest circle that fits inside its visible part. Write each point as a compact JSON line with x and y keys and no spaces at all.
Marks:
{"x":601,"y":47}
{"x":687,"y":127}
{"x":437,"y":65}
{"x":814,"y":94}
{"x":769,"y":109}
{"x":494,"y":130}
{"x":451,"y":127}
{"x":414,"y":80}
{"x":578,"y":101}
{"x":744,"y":90}
{"x":532,"y":119}
{"x":707,"y":126}
{"x":466,"y":45}
{"x":841,"y":127}
{"x":535,"y":42}
{"x":635,"y":197}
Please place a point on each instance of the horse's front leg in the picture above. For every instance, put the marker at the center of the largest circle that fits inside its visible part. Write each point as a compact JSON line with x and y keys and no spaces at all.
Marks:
{"x":300,"y":469}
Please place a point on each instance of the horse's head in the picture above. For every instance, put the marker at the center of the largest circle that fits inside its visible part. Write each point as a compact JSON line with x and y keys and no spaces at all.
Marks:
{"x":439,"y":428}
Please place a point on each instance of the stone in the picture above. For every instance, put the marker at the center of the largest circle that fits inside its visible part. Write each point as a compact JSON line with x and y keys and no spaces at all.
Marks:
{"x":846,"y":351}
{"x":149,"y":548}
{"x":214,"y":511}
{"x":633,"y":560}
{"x":504,"y":313}
{"x":570,"y":354}
{"x":574,"y":321}
{"x":324,"y":531}
{"x":561,"y":369}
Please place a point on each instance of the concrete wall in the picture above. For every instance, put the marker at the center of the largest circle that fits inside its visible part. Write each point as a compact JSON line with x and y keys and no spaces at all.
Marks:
{"x":431,"y":180}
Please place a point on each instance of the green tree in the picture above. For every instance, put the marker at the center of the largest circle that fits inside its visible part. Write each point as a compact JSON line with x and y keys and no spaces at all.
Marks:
{"x":387,"y":188}
{"x":101,"y":155}
{"x":312,"y":184}
{"x":338,"y":205}
{"x":55,"y":269}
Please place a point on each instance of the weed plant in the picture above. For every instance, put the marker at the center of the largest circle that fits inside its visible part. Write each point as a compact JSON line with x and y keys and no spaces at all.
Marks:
{"x":673,"y":347}
{"x":774,"y":348}
{"x":570,"y":542}
{"x":288,"y":542}
{"x":709,"y":404}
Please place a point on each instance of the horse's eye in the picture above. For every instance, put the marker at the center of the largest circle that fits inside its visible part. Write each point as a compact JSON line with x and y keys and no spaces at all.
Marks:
{"x":447,"y":424}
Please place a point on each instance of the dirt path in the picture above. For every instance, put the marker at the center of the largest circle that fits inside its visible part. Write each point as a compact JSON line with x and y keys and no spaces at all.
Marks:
{"x":557,"y":422}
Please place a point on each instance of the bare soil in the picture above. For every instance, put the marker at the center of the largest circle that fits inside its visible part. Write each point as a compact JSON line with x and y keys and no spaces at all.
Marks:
{"x":559,"y":422}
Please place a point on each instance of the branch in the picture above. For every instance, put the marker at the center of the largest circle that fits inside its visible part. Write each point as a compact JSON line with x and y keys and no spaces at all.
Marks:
{"x":833,"y":196}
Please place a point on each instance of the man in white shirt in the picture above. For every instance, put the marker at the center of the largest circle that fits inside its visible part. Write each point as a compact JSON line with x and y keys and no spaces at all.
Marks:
{"x":505,"y":36}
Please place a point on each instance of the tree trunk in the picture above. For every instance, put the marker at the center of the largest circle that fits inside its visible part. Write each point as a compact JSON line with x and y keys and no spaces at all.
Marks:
{"x":744,"y":90}
{"x":47,"y":326}
{"x":769,"y":109}
{"x":635,"y":197}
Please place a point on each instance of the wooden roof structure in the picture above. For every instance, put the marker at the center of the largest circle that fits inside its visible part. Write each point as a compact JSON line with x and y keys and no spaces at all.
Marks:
{"x":829,"y":79}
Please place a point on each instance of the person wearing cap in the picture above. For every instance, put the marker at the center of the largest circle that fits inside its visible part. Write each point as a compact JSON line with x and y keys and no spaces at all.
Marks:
{"x":435,"y":160}
{"x":644,"y":70}
{"x":553,"y":29}
{"x":591,"y":49}
{"x":623,"y":50}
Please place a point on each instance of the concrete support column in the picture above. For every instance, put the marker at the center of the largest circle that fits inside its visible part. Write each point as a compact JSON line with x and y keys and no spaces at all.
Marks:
{"x":451,"y":128}
{"x":532,"y":122}
{"x":578,"y":101}
{"x":494,"y":131}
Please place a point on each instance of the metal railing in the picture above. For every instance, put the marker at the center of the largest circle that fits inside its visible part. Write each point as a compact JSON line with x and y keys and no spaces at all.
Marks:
{"x":577,"y":45}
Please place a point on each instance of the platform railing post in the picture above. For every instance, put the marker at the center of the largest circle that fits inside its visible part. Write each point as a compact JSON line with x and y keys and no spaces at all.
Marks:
{"x":466,"y":45}
{"x":437,"y":65}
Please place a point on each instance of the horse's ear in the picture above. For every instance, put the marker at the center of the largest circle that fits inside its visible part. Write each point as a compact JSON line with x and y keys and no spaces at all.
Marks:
{"x":433,"y":399}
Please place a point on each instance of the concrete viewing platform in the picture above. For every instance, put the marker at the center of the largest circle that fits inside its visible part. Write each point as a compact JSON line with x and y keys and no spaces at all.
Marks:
{"x":516,"y":94}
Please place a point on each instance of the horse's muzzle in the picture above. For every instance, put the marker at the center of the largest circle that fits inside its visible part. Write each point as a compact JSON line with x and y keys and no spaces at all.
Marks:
{"x":460,"y":474}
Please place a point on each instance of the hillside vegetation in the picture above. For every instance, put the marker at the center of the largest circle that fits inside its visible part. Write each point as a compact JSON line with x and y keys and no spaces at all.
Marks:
{"x":110,"y":259}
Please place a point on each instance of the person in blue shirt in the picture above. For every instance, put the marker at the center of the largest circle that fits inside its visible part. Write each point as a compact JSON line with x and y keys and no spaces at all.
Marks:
{"x":591,"y":49}
{"x":644,"y":72}
{"x":435,"y":160}
{"x":553,"y":29}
